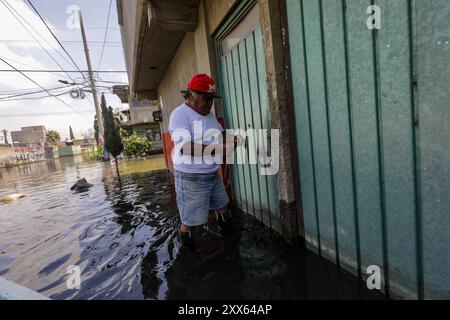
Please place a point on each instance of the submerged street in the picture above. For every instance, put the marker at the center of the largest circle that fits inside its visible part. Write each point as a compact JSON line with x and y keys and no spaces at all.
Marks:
{"x":124,"y":239}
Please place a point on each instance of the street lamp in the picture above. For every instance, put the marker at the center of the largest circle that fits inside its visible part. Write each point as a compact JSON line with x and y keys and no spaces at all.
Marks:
{"x":64,"y":82}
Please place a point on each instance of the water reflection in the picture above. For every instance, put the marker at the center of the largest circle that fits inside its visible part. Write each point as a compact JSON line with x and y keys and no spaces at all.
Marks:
{"x":123,"y":237}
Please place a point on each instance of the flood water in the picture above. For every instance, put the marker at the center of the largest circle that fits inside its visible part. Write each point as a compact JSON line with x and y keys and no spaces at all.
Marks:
{"x":123,"y":238}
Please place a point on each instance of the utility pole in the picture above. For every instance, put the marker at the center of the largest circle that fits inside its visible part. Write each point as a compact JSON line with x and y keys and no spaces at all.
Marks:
{"x":98,"y":111}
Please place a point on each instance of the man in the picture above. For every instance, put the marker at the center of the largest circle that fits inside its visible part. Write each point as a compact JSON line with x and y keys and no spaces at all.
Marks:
{"x":200,"y":191}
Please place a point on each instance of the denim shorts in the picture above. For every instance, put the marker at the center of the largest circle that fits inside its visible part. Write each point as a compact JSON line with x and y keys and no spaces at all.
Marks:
{"x":197,"y":194}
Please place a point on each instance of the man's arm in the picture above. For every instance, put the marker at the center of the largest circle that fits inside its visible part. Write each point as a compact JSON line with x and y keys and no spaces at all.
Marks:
{"x":187,"y":148}
{"x":190,"y":147}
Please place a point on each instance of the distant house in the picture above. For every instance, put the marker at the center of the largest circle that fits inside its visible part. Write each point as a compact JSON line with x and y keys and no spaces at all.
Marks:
{"x":7,"y":155}
{"x":143,"y":117}
{"x":85,"y":144}
{"x":33,"y":136}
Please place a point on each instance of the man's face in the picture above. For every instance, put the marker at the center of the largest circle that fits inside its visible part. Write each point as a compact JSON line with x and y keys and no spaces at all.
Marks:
{"x":202,"y":102}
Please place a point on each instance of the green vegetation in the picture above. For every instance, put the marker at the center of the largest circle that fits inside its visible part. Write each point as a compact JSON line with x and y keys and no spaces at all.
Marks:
{"x":99,"y":152}
{"x":135,"y":146}
{"x":113,"y":142}
{"x":96,"y":133}
{"x":72,"y":136}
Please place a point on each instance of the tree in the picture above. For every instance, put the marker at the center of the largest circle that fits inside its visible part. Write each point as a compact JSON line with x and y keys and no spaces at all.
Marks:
{"x":72,"y":137}
{"x":89,"y":134}
{"x":52,"y":137}
{"x":113,"y":142}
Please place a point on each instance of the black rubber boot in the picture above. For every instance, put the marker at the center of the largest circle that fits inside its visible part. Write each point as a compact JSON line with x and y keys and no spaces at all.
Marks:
{"x":186,"y":239}
{"x":225,"y":223}
{"x":207,"y":243}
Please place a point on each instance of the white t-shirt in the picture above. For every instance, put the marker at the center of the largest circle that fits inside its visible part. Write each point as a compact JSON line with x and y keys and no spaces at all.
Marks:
{"x":188,"y":125}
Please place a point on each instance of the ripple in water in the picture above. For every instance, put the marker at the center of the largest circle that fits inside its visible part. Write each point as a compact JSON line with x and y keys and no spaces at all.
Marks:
{"x":123,"y":238}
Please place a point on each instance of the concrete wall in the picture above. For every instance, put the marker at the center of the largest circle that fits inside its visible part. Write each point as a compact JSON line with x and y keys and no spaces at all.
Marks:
{"x":29,"y":135}
{"x":7,"y":155}
{"x":142,"y":114}
{"x":176,"y":78}
{"x":282,"y":118}
{"x":127,"y":20}
{"x":194,"y":55}
{"x":69,"y":151}
{"x":217,"y":10}
{"x":141,"y":129}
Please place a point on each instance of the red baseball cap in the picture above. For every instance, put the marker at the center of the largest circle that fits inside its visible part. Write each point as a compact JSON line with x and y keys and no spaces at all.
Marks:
{"x":203,"y":84}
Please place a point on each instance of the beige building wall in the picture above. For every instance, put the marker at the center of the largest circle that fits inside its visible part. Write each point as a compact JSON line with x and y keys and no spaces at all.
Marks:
{"x":7,"y":155}
{"x":142,"y":114}
{"x":195,"y":55}
{"x":128,"y":15}
{"x":217,"y":9}
{"x":31,"y":135}
{"x":176,"y":78}
{"x":16,"y":136}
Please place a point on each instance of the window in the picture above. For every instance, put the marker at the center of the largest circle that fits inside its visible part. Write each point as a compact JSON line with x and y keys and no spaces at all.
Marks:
{"x":154,"y":134}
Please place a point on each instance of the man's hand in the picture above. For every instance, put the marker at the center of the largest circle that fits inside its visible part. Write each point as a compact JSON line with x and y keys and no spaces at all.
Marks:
{"x":239,"y":141}
{"x":229,"y":145}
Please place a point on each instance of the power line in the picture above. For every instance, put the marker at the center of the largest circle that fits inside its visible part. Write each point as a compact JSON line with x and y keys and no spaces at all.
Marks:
{"x":21,"y":91}
{"x":90,"y":28}
{"x":62,"y":41}
{"x":106,"y":34}
{"x":34,"y":98}
{"x":64,"y":71}
{"x":37,"y":32}
{"x":19,"y":97}
{"x":23,"y":74}
{"x":54,"y":36}
{"x":41,"y":114}
{"x":34,"y":92}
{"x":115,"y":82}
{"x":7,"y":5}
{"x":94,"y":44}
{"x":27,"y":65}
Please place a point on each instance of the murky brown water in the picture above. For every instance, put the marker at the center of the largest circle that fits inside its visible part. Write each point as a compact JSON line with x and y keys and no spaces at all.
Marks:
{"x":123,"y":237}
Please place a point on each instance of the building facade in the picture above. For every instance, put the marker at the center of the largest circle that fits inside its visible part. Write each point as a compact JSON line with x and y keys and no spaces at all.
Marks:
{"x":7,"y":155}
{"x":88,"y":144}
{"x":29,"y":136}
{"x":142,"y":117}
{"x":358,"y":94}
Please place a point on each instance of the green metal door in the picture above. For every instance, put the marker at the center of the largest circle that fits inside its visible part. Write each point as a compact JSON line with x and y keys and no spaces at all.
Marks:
{"x":246,"y":107}
{"x":373,"y":176}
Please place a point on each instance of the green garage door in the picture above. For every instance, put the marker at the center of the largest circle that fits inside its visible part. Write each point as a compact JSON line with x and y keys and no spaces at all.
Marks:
{"x":246,"y":107}
{"x":372,"y":118}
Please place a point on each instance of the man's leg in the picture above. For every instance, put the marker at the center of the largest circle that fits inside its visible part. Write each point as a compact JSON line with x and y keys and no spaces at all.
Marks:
{"x":192,"y":201}
{"x":185,"y":228}
{"x":219,"y":205}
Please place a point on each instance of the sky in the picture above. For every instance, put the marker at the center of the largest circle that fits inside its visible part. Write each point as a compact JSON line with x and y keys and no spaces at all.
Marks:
{"x":21,"y":50}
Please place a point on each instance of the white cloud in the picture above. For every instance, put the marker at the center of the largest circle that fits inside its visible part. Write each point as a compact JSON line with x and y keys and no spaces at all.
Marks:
{"x":29,"y":55}
{"x":11,"y":29}
{"x":21,"y":60}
